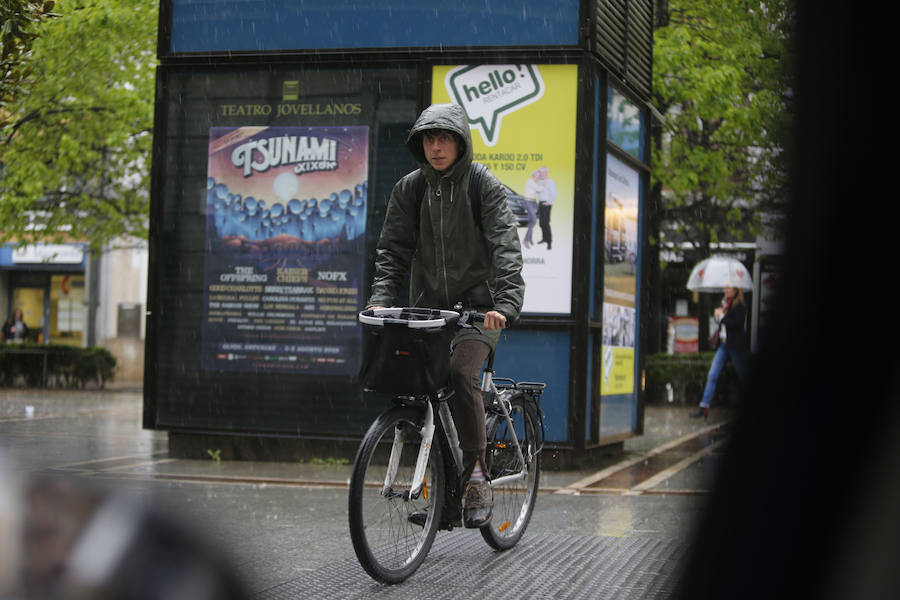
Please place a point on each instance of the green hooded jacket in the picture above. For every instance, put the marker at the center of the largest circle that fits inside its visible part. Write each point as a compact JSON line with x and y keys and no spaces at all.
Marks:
{"x":448,"y":257}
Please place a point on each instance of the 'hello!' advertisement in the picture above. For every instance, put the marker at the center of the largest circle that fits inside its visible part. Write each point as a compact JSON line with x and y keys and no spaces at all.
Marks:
{"x":522,"y":119}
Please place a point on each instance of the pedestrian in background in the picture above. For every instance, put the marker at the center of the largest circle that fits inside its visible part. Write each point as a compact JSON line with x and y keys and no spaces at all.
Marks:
{"x":15,"y":329}
{"x":732,"y":345}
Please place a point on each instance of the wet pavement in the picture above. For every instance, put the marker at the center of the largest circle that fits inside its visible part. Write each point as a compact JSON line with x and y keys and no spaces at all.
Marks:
{"x":616,"y":530}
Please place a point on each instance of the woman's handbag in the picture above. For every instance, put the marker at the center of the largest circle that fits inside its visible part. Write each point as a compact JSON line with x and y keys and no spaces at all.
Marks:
{"x":717,"y":336}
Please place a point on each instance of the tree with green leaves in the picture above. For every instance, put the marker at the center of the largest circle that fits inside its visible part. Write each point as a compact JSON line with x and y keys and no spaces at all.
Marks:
{"x":720,"y":82}
{"x":18,"y":19}
{"x":75,"y":148}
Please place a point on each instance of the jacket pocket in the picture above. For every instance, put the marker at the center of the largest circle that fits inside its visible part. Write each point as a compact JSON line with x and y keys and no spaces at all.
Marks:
{"x":480,"y":295}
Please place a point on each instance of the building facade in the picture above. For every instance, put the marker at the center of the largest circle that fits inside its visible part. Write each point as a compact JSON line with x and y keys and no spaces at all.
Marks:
{"x":69,"y":296}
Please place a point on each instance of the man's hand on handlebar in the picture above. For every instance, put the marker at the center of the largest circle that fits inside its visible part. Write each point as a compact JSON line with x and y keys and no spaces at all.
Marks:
{"x":494,"y":320}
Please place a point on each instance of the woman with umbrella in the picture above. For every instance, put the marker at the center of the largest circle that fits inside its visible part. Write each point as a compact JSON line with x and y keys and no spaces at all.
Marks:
{"x":733,"y":345}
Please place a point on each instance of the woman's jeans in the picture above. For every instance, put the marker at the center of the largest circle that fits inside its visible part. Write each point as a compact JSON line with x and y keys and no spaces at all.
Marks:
{"x":723,"y":354}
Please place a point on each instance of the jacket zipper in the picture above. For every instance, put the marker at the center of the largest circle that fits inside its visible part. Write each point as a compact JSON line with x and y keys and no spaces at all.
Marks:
{"x":443,"y":251}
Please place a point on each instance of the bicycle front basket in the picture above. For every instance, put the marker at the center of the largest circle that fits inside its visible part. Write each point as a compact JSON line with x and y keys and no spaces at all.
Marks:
{"x":405,"y":352}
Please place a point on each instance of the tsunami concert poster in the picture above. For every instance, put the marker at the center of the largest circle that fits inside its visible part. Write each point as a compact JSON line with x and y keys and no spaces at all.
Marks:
{"x":285,"y":248}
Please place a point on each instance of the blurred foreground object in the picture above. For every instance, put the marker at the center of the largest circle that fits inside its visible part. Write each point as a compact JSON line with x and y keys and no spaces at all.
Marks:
{"x":79,"y":541}
{"x":10,"y":527}
{"x":807,"y":499}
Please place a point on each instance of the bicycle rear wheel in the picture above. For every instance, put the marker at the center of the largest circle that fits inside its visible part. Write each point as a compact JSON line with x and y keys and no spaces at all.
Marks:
{"x":388,"y":545}
{"x":513,"y":500}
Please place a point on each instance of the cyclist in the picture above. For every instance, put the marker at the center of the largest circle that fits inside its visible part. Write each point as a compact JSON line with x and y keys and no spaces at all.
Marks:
{"x":454,"y":256}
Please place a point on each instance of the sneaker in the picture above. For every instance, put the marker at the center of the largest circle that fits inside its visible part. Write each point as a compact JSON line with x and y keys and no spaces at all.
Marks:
{"x":448,"y":520}
{"x":478,"y":502}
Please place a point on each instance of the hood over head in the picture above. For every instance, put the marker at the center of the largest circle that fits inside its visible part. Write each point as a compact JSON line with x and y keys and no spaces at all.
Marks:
{"x":451,"y":117}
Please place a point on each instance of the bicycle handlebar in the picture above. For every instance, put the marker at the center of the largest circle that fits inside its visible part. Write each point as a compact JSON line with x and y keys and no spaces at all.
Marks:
{"x":469,"y":319}
{"x":421,"y":318}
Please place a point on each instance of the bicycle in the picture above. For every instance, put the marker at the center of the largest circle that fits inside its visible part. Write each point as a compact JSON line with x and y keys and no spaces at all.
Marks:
{"x":399,"y":470}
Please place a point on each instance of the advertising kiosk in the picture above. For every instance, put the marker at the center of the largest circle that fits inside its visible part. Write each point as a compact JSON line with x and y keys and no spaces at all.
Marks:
{"x":280,"y":131}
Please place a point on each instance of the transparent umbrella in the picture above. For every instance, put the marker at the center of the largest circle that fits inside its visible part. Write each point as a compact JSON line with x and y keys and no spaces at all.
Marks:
{"x":717,"y":272}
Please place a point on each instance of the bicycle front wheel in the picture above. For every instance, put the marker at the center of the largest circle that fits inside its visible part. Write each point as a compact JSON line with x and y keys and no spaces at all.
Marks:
{"x":389,"y":543}
{"x":514,"y":496}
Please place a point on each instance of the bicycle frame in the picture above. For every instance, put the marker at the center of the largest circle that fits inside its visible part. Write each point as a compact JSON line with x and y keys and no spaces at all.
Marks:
{"x":427,"y":433}
{"x":487,"y":385}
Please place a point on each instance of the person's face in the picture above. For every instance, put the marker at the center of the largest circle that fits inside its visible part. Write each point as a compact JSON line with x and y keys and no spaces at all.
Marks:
{"x":729,"y":292}
{"x":441,"y":149}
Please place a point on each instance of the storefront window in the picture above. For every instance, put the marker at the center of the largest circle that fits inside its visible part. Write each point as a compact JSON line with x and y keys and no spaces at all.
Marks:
{"x":66,"y":309}
{"x":31,"y":301}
